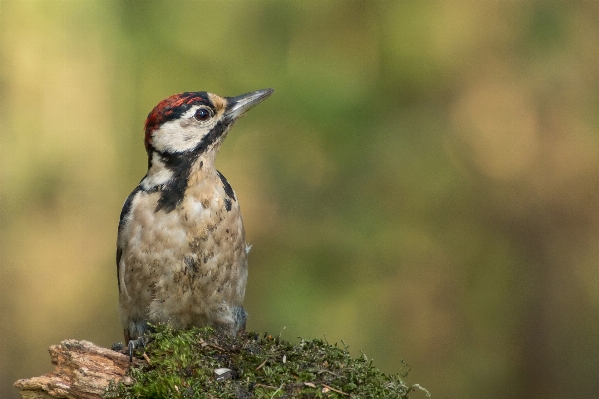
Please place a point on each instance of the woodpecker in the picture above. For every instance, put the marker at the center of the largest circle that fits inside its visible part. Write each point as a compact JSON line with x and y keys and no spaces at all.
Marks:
{"x":181,"y":251}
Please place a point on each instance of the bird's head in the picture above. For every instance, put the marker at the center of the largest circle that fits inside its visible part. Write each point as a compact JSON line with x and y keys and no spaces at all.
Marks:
{"x":195,"y":122}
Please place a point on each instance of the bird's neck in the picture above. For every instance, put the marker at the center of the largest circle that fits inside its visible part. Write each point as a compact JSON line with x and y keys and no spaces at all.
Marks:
{"x":170,"y":174}
{"x":169,"y":169}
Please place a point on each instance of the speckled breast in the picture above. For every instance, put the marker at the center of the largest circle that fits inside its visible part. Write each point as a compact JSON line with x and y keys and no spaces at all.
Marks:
{"x":187,"y":266}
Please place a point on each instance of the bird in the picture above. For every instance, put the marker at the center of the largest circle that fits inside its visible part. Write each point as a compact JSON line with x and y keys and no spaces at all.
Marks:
{"x":181,"y":252}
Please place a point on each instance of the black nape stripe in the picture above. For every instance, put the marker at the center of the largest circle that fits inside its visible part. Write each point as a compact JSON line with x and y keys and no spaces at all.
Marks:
{"x":228,"y":189}
{"x":228,"y":204}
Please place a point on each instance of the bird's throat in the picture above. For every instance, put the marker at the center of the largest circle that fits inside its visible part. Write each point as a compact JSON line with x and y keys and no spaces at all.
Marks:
{"x":172,"y":174}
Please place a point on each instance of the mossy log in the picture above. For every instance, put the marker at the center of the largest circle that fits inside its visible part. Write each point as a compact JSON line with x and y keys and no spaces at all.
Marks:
{"x":201,"y":363}
{"x":83,"y":371}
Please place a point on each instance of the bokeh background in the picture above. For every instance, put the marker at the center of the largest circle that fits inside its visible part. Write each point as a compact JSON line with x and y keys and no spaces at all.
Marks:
{"x":423,"y":184}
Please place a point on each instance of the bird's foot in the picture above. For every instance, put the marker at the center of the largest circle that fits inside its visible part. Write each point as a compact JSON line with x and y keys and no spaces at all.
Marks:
{"x":140,"y":342}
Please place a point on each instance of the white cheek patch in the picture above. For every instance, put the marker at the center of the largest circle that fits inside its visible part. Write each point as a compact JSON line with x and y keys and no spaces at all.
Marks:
{"x":182,"y":134}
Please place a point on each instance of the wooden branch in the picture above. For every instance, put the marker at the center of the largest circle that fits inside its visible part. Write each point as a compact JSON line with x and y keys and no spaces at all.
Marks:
{"x":83,"y":371}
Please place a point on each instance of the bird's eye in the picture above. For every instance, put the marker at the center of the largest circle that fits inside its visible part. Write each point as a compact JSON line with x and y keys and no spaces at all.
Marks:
{"x":202,"y":114}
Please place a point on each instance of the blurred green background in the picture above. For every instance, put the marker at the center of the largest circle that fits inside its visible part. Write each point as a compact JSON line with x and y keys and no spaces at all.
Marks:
{"x":423,"y":183}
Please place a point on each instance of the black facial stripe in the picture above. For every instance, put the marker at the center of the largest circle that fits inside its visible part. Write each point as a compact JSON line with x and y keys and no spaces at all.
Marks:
{"x":228,"y":189}
{"x":172,"y":192}
{"x":218,"y":130}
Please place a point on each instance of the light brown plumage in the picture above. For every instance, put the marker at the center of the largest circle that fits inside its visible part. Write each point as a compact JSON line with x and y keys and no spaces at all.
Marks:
{"x":181,"y":251}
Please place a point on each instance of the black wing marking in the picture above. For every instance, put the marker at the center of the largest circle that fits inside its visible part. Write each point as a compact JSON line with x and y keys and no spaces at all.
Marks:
{"x":124,"y":213}
{"x":119,"y":253}
{"x":127,"y":206}
{"x":228,"y":189}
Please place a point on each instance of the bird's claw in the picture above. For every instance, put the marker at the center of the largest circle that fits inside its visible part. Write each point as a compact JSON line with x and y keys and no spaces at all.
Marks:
{"x":137,"y":343}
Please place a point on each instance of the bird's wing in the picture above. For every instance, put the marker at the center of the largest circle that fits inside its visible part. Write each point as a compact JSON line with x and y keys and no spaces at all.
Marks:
{"x":119,"y":249}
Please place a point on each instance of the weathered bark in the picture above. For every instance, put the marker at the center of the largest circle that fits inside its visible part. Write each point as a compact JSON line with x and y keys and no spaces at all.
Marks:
{"x":83,"y":371}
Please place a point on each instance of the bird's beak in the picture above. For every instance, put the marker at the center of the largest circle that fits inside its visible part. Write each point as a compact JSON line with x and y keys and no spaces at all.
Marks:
{"x":237,"y":106}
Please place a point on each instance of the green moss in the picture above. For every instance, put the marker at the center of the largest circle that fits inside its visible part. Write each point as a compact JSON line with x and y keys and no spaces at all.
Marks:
{"x":183,"y":363}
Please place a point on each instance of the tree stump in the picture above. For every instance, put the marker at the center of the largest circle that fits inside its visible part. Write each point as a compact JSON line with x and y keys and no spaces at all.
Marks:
{"x":201,"y":362}
{"x":83,"y":371}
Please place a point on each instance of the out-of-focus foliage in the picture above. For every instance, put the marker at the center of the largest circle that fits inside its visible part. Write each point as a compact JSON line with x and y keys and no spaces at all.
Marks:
{"x":423,"y":183}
